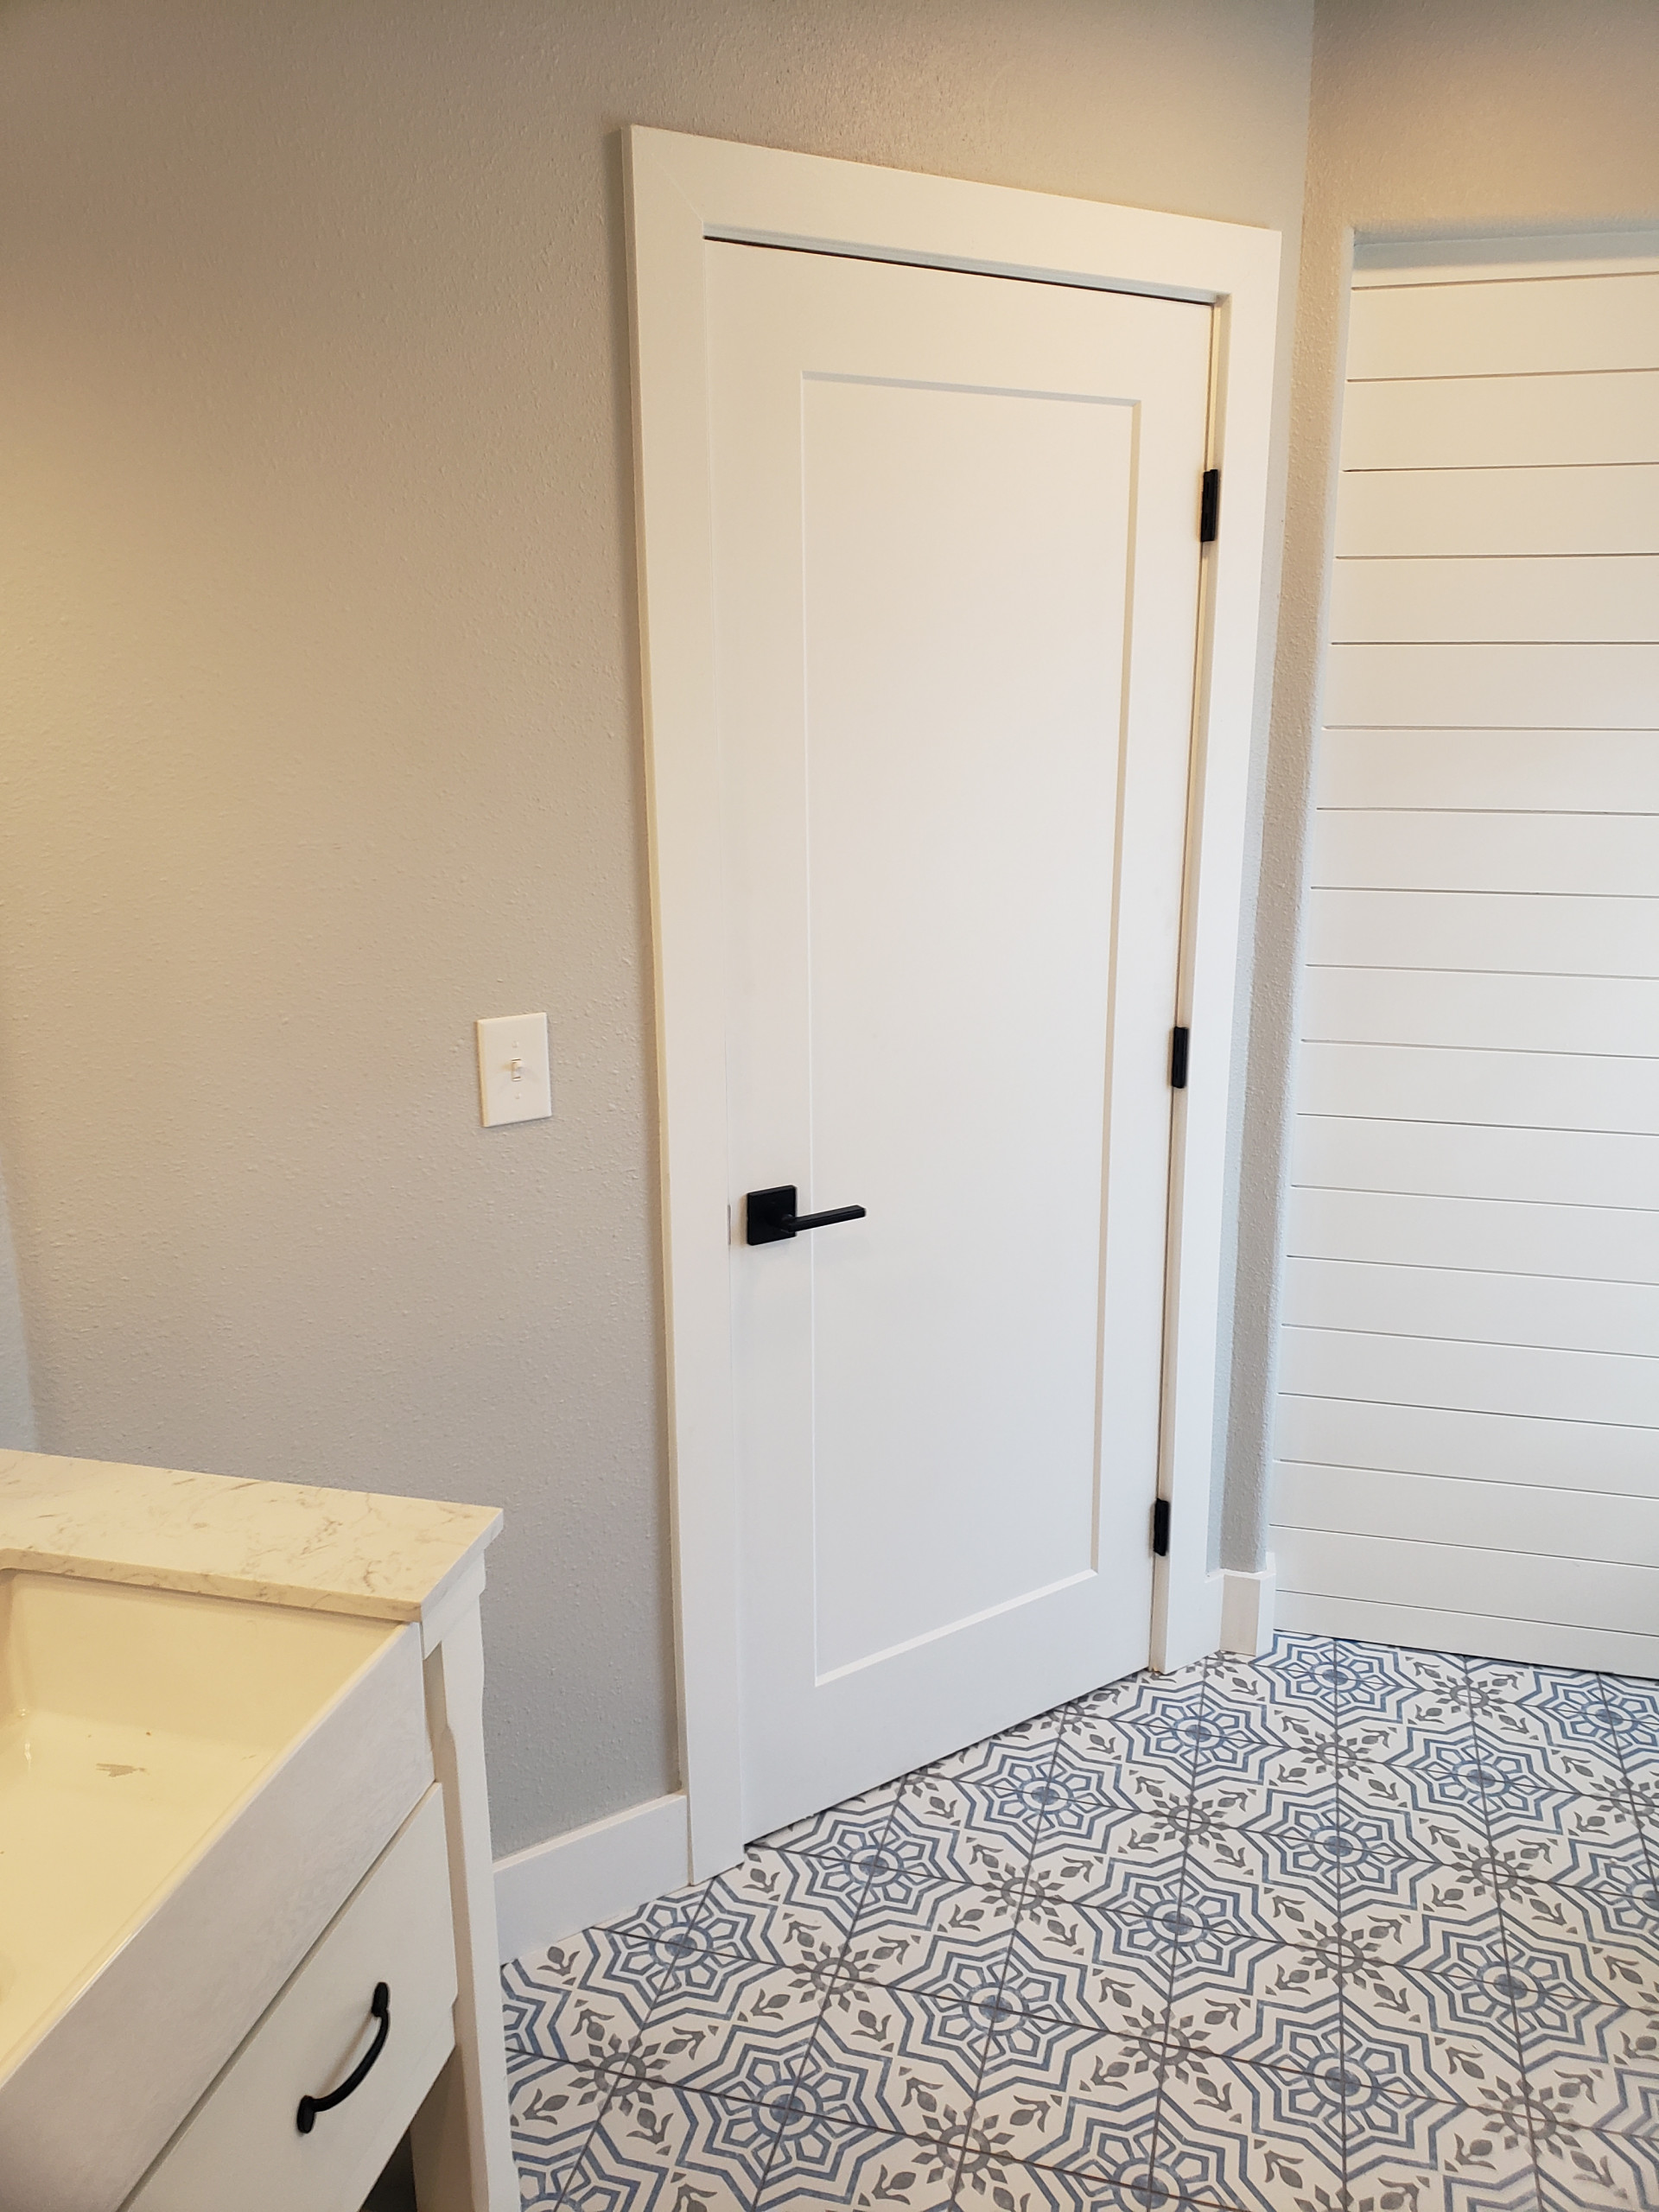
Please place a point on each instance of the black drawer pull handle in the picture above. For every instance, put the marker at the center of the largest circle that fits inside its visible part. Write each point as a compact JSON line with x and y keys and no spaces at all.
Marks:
{"x":380,"y":2009}
{"x":769,"y":1216}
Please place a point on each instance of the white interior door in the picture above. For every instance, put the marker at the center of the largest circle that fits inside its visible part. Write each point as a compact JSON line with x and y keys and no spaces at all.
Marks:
{"x":956,"y":562}
{"x":1468,"y":1425}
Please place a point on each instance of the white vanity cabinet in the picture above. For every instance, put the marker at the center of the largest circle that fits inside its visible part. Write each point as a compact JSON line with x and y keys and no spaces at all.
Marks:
{"x":247,"y":1925}
{"x":243,"y":2145}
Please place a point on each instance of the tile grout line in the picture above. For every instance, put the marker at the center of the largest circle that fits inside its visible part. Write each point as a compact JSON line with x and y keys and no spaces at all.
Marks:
{"x":615,"y":2085}
{"x":1613,"y":1716}
{"x":1649,"y":1844}
{"x":1069,"y":1711}
{"x":836,"y":1974}
{"x":609,"y":2071}
{"x":1342,"y":1916}
{"x":1154,"y":2156}
{"x":1502,"y":1930}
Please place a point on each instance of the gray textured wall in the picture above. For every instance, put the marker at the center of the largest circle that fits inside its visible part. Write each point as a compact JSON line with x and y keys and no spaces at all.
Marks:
{"x":1429,"y":117}
{"x":321,"y":731}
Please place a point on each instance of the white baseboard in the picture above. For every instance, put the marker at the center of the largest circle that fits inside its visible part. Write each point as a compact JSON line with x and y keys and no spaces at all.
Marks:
{"x":1248,"y":1604}
{"x":589,"y":1874}
{"x":608,"y":1867}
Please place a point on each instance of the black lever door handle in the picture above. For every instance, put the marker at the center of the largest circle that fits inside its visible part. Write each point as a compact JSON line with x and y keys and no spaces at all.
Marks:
{"x":770,"y":1216}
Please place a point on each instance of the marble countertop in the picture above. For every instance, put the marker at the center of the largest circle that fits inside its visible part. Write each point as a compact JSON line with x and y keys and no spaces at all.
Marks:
{"x":334,"y":1551}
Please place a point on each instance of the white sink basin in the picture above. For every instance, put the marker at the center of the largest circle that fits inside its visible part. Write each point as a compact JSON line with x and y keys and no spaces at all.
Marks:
{"x":188,"y":1787}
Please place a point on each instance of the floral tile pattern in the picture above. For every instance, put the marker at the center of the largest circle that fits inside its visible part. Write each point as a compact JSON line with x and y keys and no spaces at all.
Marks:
{"x":1347,"y":1928}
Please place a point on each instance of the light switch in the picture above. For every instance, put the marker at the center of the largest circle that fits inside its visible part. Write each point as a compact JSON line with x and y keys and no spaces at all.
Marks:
{"x":514,"y":1081}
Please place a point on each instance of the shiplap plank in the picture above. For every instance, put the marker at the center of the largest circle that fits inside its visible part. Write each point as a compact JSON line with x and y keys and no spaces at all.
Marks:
{"x":1566,"y":1167}
{"x":1491,"y":932}
{"x":1493,"y":686}
{"x":1555,"y":1312}
{"x":1563,"y":771}
{"x":1471,"y":1377}
{"x":1516,"y":1585}
{"x":1521,"y":327}
{"x":1488,"y":1237}
{"x":1589,"y":601}
{"x":1391,"y":513}
{"x":1592,"y":1457}
{"x":1549,"y":1524}
{"x":1585,"y":856}
{"x":1533,"y":1643}
{"x":1383,"y":261}
{"x":1608,"y":1015}
{"x":1406,"y":1083}
{"x":1502,"y":423}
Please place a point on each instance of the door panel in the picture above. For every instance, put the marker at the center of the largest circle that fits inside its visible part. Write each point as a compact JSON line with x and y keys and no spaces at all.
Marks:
{"x":995,"y":1022}
{"x":956,"y":563}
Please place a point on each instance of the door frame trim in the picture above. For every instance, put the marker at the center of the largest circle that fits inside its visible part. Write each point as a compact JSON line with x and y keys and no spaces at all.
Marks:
{"x":681,"y":191}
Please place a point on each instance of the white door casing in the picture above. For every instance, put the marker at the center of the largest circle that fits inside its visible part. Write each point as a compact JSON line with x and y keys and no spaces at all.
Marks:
{"x":682,"y":192}
{"x":957,"y":585}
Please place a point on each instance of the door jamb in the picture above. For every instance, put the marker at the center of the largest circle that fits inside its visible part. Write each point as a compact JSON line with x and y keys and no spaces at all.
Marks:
{"x":682,"y":191}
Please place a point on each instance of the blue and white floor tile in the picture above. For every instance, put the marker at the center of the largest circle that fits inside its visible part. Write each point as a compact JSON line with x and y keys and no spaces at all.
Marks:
{"x":1346,"y":1930}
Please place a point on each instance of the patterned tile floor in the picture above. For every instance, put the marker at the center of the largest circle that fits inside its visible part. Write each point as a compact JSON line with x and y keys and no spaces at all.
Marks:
{"x":1347,"y":1929}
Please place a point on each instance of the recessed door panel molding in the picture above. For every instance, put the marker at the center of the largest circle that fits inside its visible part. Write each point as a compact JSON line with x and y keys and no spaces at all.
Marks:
{"x":1472,"y":1230}
{"x":946,"y":707}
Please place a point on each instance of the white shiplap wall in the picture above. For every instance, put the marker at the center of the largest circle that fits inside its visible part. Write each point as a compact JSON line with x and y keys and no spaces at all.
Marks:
{"x":1468,"y":1419}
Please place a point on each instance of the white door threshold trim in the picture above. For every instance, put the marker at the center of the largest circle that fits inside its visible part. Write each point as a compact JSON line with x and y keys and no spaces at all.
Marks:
{"x":589,"y":1874}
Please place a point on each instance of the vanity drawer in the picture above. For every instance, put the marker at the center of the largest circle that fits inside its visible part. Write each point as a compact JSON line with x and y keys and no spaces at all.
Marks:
{"x":242,"y":2144}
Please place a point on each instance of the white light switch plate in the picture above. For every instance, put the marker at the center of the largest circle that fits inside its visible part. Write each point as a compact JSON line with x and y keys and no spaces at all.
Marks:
{"x":514,"y":1081}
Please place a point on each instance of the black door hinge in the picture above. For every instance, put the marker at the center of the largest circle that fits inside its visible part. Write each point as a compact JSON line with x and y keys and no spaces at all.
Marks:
{"x":1210,"y":508}
{"x":1178,"y":1041}
{"x":1160,"y":1528}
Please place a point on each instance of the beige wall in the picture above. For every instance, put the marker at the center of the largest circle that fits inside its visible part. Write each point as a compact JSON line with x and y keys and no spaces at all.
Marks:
{"x":1429,"y":117}
{"x":321,"y":733}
